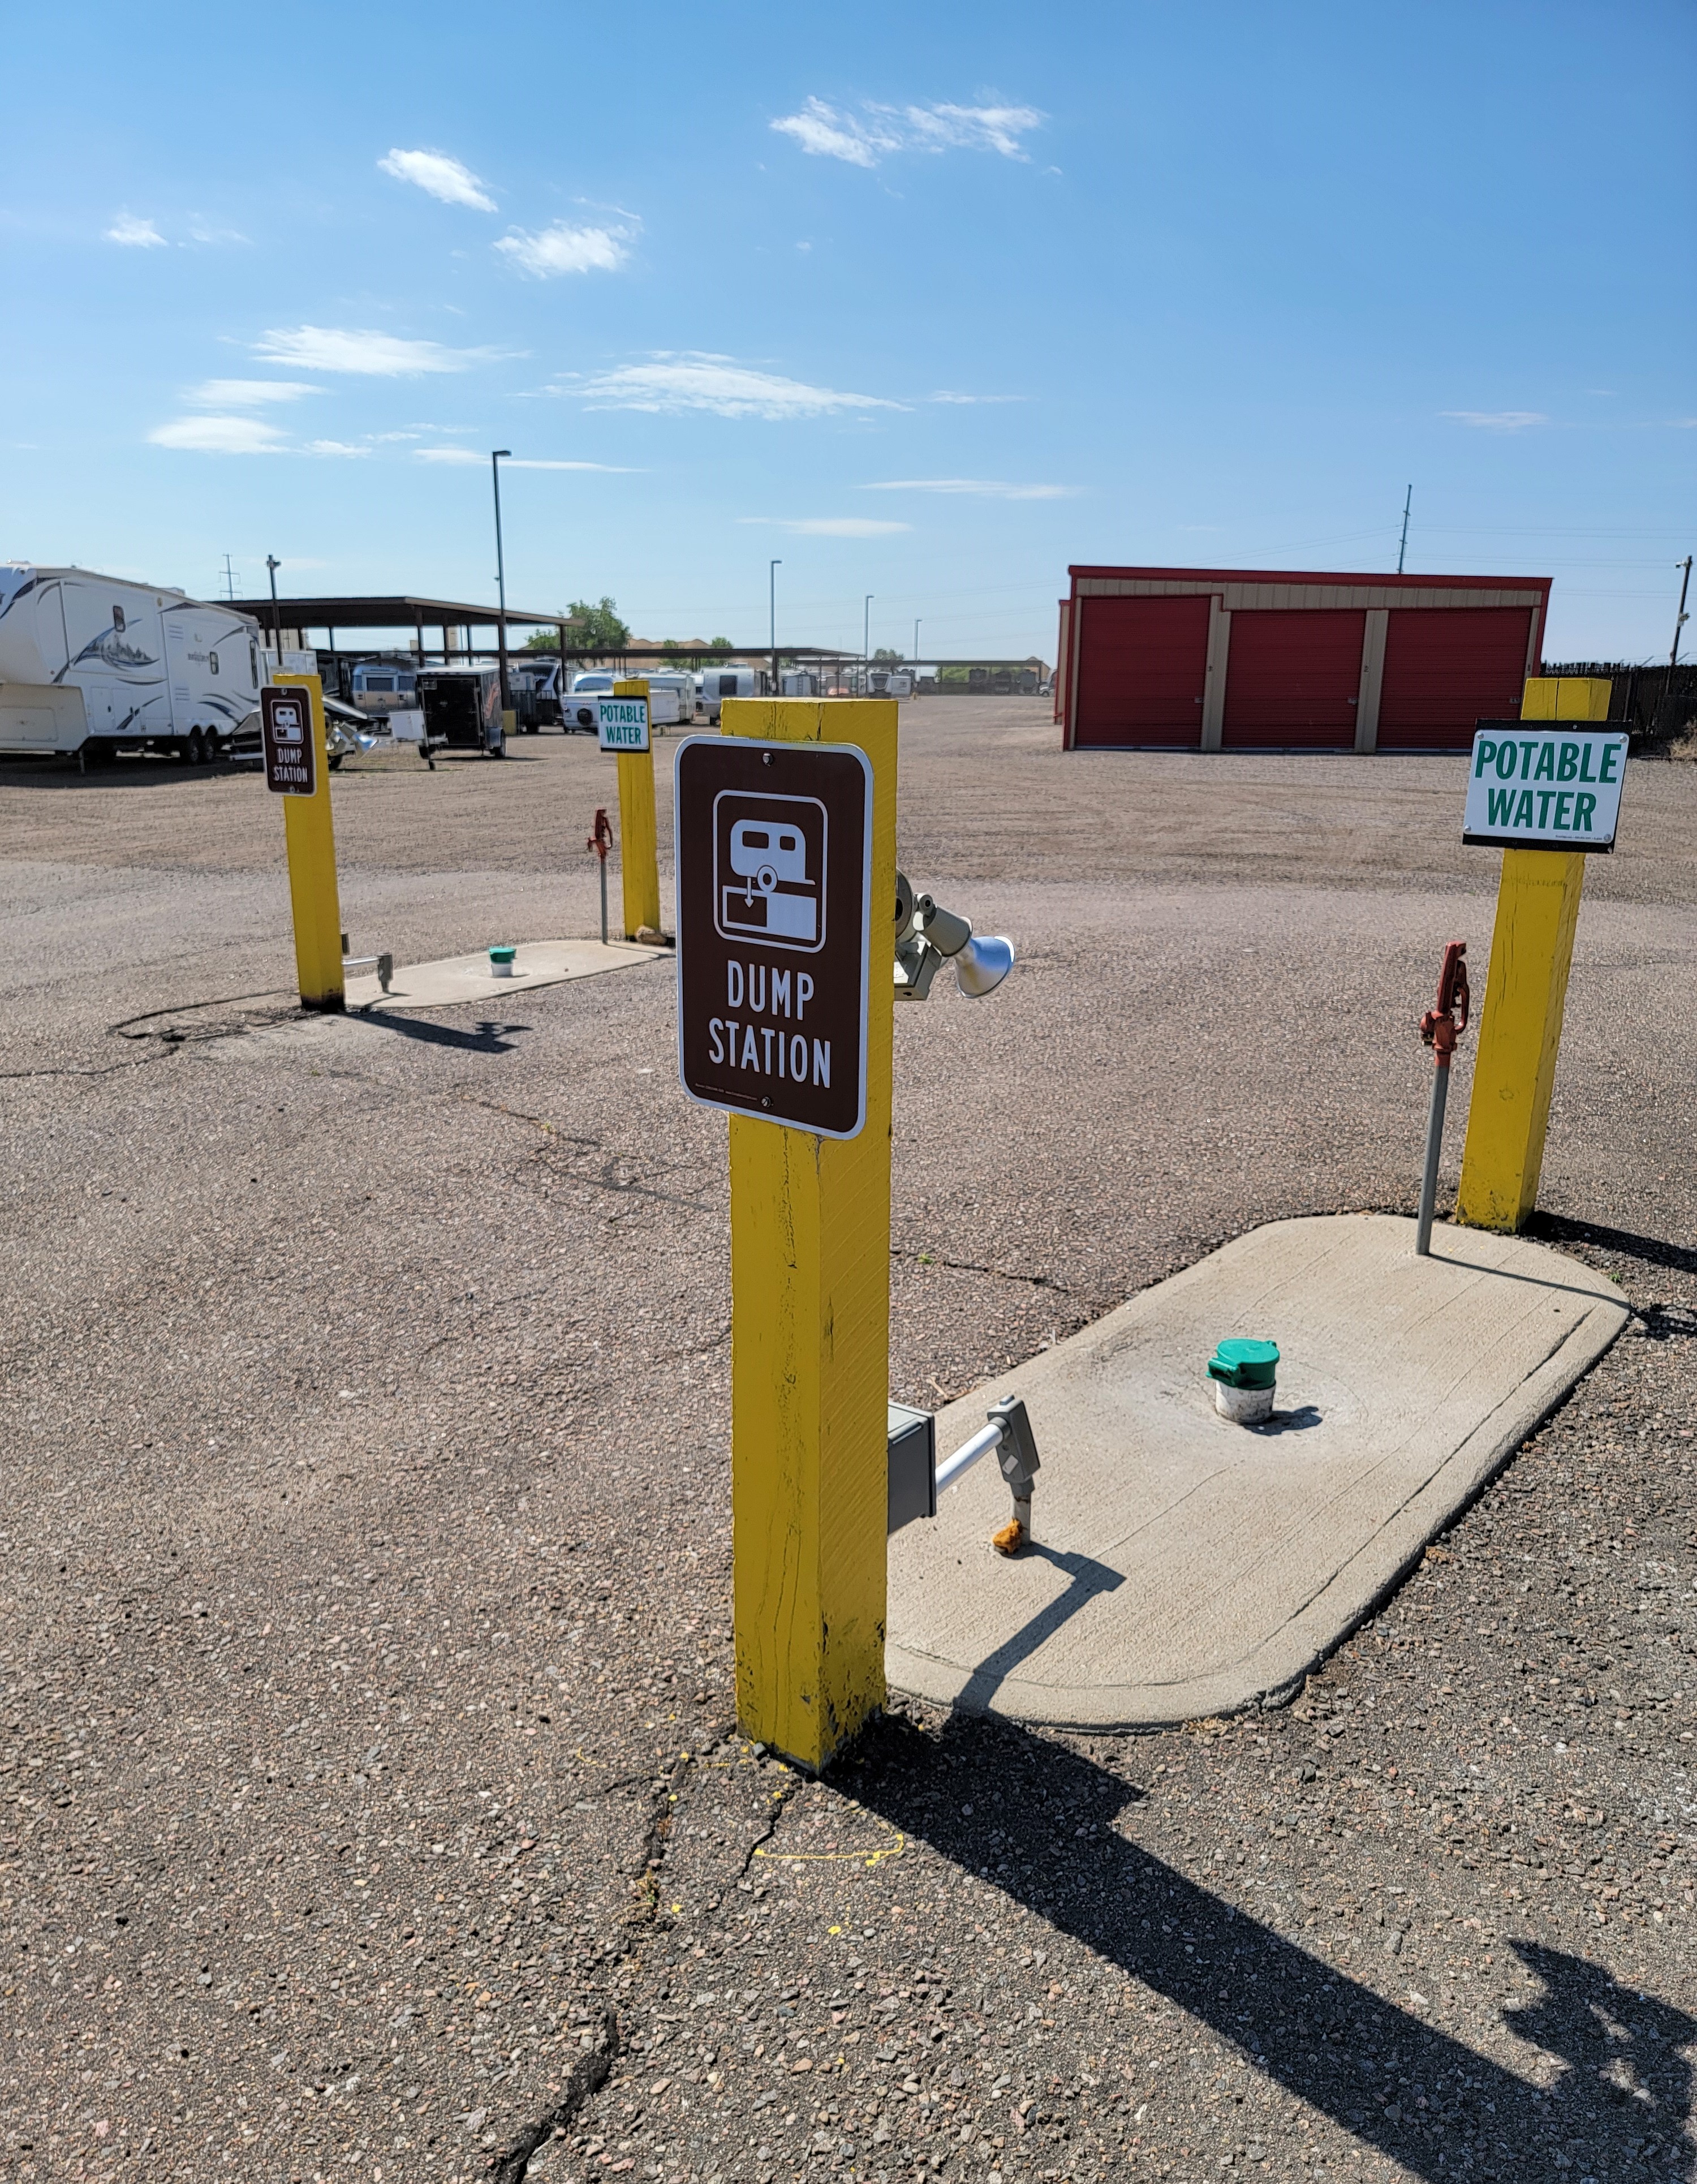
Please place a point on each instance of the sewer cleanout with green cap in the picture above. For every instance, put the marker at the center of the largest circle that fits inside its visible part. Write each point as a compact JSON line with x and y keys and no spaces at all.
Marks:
{"x":502,"y":966}
{"x":1243,"y":1369}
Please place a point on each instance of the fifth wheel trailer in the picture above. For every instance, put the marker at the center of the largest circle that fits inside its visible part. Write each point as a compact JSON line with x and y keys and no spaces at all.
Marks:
{"x":91,"y":664}
{"x":1282,"y":659}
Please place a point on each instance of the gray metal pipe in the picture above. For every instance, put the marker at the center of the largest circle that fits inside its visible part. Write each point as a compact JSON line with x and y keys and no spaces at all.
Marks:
{"x":1434,"y":1148}
{"x":982,"y":1444}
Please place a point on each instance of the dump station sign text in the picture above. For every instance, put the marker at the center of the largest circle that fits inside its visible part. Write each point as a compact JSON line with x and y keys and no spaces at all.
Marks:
{"x":774,"y":870}
{"x":286,"y":732}
{"x":1545,"y":785}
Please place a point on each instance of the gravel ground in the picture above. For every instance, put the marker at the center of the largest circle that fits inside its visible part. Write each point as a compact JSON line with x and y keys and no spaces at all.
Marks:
{"x":369,"y":1805}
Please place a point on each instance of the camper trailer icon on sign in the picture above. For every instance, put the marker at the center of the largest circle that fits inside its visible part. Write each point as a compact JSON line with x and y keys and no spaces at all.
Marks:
{"x":769,"y":869}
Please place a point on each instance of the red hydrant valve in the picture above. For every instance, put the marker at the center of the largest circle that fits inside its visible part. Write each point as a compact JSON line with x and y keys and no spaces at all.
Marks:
{"x":602,"y":839}
{"x":1442,"y":1025}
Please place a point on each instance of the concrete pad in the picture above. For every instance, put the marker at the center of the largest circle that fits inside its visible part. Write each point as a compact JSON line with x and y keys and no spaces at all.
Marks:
{"x":1184,"y":1567}
{"x":469,"y":978}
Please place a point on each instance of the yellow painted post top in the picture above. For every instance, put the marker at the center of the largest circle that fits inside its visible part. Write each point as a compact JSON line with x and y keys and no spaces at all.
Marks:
{"x":309,"y":836}
{"x":639,"y":864}
{"x":1567,"y":698}
{"x":809,"y":1346}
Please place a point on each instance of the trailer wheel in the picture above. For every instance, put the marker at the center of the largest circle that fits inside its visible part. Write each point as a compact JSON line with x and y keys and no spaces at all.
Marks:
{"x":194,"y":750}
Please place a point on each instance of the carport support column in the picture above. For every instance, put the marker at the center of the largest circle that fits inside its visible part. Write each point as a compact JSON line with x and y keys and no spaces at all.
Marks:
{"x":639,"y":870}
{"x":1525,"y":996}
{"x":809,"y":1347}
{"x":310,"y":839}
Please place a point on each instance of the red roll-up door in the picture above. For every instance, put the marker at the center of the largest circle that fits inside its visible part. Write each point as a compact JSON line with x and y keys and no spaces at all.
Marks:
{"x":1141,"y":663}
{"x":1447,"y":667}
{"x":1292,"y":676}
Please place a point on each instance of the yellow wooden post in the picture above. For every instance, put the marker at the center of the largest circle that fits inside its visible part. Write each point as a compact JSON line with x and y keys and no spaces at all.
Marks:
{"x":1526,"y":994}
{"x":310,"y":839}
{"x":639,"y":870}
{"x":810,"y":1346}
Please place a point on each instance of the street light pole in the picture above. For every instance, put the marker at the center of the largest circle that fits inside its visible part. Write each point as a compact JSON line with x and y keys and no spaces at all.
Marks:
{"x":916,"y":641}
{"x":772,"y":602}
{"x":272,"y":565}
{"x":496,"y":457}
{"x":1407,"y":504}
{"x":866,"y":647}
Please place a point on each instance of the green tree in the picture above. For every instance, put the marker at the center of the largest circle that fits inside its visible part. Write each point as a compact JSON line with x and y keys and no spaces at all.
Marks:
{"x":883,"y":652}
{"x":590,"y":627}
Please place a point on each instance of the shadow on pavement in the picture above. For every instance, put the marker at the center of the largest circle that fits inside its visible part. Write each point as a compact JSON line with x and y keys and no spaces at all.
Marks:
{"x":1087,"y":1580}
{"x":487,"y":1038}
{"x":1381,"y":2071}
{"x":1654,"y":1251}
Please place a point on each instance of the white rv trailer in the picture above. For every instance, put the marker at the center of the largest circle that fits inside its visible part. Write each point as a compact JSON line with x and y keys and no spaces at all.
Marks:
{"x":718,"y":683}
{"x":91,"y":664}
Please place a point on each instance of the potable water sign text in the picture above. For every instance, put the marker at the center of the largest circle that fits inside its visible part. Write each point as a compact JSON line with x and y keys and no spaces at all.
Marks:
{"x":624,"y":724}
{"x":1545,"y":785}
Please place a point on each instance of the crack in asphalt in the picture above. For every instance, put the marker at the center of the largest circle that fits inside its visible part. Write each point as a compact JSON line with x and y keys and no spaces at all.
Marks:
{"x":999,"y":1273}
{"x":591,"y":2072}
{"x":588,"y":2074}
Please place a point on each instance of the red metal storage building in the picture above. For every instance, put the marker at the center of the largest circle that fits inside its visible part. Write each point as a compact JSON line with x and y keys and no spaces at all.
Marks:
{"x":1278,"y":660}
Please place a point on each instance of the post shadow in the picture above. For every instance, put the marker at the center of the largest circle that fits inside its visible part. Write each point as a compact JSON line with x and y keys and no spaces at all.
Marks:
{"x":489,"y":1038}
{"x":1087,"y":1578}
{"x":1325,"y":2037}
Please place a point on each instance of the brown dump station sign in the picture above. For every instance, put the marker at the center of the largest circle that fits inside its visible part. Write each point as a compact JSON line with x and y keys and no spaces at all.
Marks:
{"x":774,"y":871}
{"x":286,"y":729}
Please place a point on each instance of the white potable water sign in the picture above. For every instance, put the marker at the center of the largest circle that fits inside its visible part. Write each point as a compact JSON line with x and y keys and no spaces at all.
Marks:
{"x":624,"y":724}
{"x":1545,"y":785}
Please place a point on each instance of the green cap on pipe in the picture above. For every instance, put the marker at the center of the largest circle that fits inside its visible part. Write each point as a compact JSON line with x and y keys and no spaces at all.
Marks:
{"x":504,"y":954}
{"x":1242,"y":1362}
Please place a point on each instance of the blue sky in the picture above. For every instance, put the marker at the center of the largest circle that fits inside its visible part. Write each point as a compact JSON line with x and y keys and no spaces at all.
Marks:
{"x":929,"y":302}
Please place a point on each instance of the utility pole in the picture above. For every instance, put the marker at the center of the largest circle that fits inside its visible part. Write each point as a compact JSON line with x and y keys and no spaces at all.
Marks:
{"x":229,"y":579}
{"x":916,"y":641}
{"x":496,"y":457}
{"x":1402,"y":550}
{"x":866,"y":648}
{"x":272,"y":565}
{"x":772,"y":602}
{"x":1682,"y":617}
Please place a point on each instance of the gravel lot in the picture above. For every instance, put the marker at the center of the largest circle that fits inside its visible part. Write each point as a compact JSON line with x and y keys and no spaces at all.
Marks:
{"x":369,"y":1805}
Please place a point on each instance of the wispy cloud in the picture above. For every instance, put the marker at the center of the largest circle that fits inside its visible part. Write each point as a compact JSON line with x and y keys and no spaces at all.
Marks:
{"x":135,"y":234}
{"x":563,"y":248}
{"x":249,"y":393}
{"x":513,"y":463}
{"x":672,"y":385}
{"x":203,"y":231}
{"x":375,"y":355}
{"x":217,"y":436}
{"x":946,"y":394}
{"x":334,"y":448}
{"x":1497,"y":420}
{"x":877,"y":131}
{"x":435,"y":173}
{"x":827,"y":526}
{"x":980,"y":488}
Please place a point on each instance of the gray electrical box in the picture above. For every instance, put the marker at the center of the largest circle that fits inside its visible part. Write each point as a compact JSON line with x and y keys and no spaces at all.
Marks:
{"x":913,"y":1465}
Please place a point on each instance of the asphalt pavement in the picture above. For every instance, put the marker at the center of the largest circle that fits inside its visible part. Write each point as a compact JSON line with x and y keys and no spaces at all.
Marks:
{"x":371,"y":1804}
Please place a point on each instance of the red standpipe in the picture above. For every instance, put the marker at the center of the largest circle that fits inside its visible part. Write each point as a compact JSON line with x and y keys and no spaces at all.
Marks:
{"x":1439,"y":1029}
